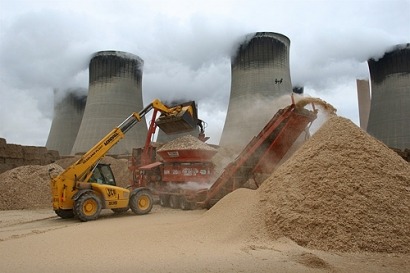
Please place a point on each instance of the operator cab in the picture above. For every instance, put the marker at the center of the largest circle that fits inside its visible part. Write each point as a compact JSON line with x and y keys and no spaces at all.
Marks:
{"x":103,"y":175}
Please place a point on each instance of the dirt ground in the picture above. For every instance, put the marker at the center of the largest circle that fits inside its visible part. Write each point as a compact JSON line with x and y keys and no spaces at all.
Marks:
{"x":166,"y":240}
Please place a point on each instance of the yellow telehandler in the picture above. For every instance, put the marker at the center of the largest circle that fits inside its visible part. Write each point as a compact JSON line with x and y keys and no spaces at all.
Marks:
{"x":87,"y":186}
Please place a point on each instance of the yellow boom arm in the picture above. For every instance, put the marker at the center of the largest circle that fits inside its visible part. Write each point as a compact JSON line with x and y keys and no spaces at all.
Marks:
{"x":81,"y":170}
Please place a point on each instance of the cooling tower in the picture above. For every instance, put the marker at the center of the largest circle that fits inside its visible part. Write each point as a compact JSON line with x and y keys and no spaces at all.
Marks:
{"x":260,"y":74}
{"x":114,"y":93}
{"x":389,"y":118}
{"x":68,"y":113}
{"x":363,"y":97}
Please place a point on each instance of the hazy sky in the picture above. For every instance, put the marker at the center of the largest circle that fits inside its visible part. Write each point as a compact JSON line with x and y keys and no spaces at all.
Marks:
{"x":186,"y":47}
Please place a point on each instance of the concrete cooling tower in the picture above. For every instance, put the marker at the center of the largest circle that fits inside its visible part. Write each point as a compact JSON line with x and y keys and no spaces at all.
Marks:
{"x":115,"y":91}
{"x":389,"y":118}
{"x":68,"y":113}
{"x":260,"y":75}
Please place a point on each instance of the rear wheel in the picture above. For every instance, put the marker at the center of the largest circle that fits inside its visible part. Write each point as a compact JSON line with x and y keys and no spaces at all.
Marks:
{"x":88,"y":207}
{"x":65,"y":213}
{"x":141,"y":202}
{"x":164,"y":200}
{"x":184,"y":204}
{"x":174,"y":201}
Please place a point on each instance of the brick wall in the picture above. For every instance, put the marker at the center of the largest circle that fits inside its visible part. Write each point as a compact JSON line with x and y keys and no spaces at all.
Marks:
{"x":14,"y":155}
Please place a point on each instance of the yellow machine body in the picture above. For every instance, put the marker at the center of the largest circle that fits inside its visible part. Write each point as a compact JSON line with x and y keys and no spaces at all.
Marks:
{"x":74,"y":191}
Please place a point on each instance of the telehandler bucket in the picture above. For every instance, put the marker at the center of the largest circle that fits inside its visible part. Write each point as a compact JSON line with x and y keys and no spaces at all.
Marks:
{"x":183,"y":121}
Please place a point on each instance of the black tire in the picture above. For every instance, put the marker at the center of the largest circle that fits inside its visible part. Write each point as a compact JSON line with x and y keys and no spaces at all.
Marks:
{"x":88,"y":207}
{"x":65,"y":213}
{"x":141,"y":202}
{"x":164,"y":200}
{"x":184,"y":204}
{"x":174,"y":201}
{"x":120,"y":210}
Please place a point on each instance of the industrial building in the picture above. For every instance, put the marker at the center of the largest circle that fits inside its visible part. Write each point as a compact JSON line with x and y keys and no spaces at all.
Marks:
{"x":260,"y":75}
{"x":115,"y":91}
{"x":67,"y":117}
{"x":389,"y":117}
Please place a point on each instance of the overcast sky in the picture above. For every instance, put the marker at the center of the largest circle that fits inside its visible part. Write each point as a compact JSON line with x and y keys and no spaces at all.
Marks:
{"x":186,"y":47}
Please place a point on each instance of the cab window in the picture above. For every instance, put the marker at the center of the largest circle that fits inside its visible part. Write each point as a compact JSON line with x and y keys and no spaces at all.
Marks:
{"x":107,"y":174}
{"x":97,"y":177}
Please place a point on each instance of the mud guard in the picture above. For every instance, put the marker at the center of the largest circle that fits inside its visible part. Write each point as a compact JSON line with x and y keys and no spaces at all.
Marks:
{"x":79,"y":193}
{"x":135,"y":191}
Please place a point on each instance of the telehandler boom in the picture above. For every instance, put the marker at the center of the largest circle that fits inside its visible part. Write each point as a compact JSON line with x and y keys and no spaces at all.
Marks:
{"x":86,"y":187}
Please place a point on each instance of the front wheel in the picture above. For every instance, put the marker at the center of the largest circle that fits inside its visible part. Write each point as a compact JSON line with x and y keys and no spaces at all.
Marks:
{"x":141,"y":202}
{"x":88,"y":207}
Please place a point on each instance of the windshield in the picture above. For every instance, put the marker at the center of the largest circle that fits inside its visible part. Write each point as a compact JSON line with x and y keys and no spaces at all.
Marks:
{"x":103,"y":175}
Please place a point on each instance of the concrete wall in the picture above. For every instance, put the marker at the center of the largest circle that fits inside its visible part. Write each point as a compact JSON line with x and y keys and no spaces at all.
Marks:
{"x":14,"y":155}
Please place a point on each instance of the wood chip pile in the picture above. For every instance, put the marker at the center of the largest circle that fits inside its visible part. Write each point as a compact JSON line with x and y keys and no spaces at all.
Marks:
{"x":26,"y":187}
{"x":342,"y":190}
{"x":187,"y":142}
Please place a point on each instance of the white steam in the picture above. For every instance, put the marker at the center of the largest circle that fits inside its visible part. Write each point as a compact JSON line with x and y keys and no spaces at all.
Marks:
{"x":186,"y":49}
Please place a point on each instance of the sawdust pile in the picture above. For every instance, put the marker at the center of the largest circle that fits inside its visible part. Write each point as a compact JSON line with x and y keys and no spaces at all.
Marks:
{"x":235,"y":218}
{"x":187,"y":142}
{"x":342,"y":190}
{"x":26,"y":187}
